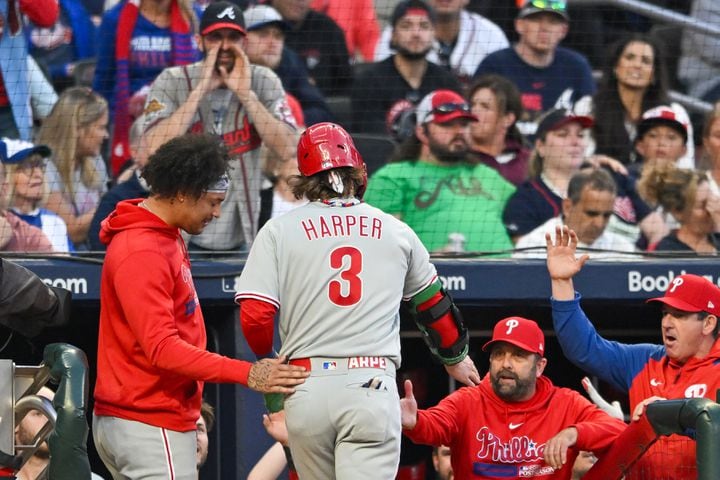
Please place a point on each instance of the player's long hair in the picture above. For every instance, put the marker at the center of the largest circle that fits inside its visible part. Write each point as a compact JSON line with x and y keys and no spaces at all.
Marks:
{"x":317,"y":187}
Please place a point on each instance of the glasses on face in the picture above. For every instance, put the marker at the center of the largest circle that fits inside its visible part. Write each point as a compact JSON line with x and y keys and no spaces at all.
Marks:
{"x":27,"y":166}
{"x":451,"y":107}
{"x":551,"y":4}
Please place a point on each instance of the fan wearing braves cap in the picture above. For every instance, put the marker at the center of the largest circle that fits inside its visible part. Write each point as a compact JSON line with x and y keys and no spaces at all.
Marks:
{"x":515,"y":423}
{"x":15,"y":234}
{"x":433,"y":187}
{"x":225,"y":95}
{"x":686,"y":365}
{"x":342,"y":324}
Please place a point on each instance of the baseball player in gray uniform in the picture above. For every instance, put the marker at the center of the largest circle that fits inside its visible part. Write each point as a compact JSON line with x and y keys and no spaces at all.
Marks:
{"x":226,"y":95}
{"x":337,"y":270}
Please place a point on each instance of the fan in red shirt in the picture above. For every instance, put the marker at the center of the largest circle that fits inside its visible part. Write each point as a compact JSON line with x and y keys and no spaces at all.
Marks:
{"x":516,"y":423}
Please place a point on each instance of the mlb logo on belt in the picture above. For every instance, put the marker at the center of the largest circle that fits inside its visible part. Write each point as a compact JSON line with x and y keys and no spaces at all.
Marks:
{"x":329,"y":366}
{"x":367,"y":362}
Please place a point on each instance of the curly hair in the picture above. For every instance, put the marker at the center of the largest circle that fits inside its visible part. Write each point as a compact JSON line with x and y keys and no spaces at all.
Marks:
{"x":670,"y":187}
{"x":188,"y":164}
{"x":317,"y":187}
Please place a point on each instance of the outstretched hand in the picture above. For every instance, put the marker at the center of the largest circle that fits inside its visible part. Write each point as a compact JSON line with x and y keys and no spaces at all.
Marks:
{"x":273,"y":375}
{"x":408,"y":407}
{"x":562,"y":264}
{"x":274,"y":424}
{"x":464,"y":372}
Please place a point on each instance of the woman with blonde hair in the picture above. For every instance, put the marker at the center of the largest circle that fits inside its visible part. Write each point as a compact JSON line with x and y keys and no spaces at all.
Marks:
{"x":685,"y":194}
{"x":77,"y":175}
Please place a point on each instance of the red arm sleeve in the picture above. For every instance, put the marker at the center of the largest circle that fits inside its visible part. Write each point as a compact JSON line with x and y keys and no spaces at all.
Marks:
{"x":43,"y":13}
{"x":147,"y":303}
{"x":256,"y":320}
{"x":445,"y":325}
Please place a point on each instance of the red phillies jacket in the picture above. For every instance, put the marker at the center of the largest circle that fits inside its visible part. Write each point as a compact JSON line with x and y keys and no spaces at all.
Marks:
{"x":152,"y":359}
{"x":491,"y":438}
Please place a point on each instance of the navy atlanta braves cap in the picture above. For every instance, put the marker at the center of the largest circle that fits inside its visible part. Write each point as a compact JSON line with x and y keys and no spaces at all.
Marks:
{"x":219,"y":15}
{"x":15,"y":151}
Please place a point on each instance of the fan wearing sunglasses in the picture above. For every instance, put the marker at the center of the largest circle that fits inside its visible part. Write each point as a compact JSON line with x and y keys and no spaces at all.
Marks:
{"x":546,"y":74}
{"x":453,"y":204}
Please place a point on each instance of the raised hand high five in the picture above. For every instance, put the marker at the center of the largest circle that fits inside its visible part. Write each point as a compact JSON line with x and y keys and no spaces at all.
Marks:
{"x":562,"y":263}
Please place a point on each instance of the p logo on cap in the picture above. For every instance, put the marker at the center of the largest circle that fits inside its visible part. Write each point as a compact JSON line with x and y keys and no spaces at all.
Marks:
{"x":520,"y":332}
{"x":691,"y":293}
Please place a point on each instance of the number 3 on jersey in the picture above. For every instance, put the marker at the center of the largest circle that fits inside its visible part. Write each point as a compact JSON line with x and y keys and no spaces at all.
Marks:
{"x":348,"y":290}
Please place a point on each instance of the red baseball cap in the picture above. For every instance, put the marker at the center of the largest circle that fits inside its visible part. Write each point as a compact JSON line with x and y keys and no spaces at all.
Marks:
{"x":520,"y":332}
{"x":691,"y":293}
{"x":442,"y":106}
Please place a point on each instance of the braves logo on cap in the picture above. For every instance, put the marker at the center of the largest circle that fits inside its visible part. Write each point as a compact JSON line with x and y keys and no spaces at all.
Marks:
{"x":228,"y":12}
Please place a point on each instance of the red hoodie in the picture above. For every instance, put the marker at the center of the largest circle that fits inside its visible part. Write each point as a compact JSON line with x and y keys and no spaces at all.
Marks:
{"x":491,"y":438}
{"x":152,"y":358}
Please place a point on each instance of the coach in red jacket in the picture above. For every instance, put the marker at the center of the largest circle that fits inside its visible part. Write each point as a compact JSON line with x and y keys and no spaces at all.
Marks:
{"x":516,"y":423}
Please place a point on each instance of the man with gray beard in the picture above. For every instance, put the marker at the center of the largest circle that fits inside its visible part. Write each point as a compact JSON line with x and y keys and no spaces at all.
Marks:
{"x":516,"y":423}
{"x":384,"y":89}
{"x":452,"y":204}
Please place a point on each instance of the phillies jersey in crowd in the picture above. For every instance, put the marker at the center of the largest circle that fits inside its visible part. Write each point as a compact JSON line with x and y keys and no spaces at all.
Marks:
{"x":220,"y":112}
{"x":642,"y":370}
{"x":371,"y":261}
{"x":492,"y":438}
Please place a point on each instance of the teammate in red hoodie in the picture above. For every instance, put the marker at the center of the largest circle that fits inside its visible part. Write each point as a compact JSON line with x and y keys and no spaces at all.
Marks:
{"x":516,"y":423}
{"x":152,"y":358}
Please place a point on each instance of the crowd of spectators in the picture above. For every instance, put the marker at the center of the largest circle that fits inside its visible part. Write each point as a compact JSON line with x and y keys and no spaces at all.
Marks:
{"x":365,"y":66}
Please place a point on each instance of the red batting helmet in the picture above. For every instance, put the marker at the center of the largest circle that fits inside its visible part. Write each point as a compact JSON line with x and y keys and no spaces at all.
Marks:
{"x":325,"y":146}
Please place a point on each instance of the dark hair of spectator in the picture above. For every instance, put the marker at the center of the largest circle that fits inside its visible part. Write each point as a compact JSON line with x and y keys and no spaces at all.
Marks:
{"x":188,"y":164}
{"x":610,"y":116}
{"x":207,"y":412}
{"x":507,"y":98}
{"x":409,"y":149}
{"x":597,"y":179}
{"x":317,"y":187}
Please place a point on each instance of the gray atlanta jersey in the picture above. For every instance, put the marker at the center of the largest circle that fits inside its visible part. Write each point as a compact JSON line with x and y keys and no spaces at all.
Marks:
{"x":221,"y":112}
{"x":337,"y":274}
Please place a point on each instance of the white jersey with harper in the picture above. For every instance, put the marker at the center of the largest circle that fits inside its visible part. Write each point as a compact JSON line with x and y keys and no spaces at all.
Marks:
{"x":343,"y":272}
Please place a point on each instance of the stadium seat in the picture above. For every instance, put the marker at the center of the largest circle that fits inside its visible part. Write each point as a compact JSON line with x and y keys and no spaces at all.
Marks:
{"x":341,"y":108}
{"x":669,"y":37}
{"x":375,"y":149}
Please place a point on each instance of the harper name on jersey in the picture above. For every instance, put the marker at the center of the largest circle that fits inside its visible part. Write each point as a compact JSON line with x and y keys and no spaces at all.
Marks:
{"x":342,"y":226}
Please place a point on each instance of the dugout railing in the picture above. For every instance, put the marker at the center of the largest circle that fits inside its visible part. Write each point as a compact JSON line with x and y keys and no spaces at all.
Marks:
{"x":66,"y":430}
{"x":697,"y":418}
